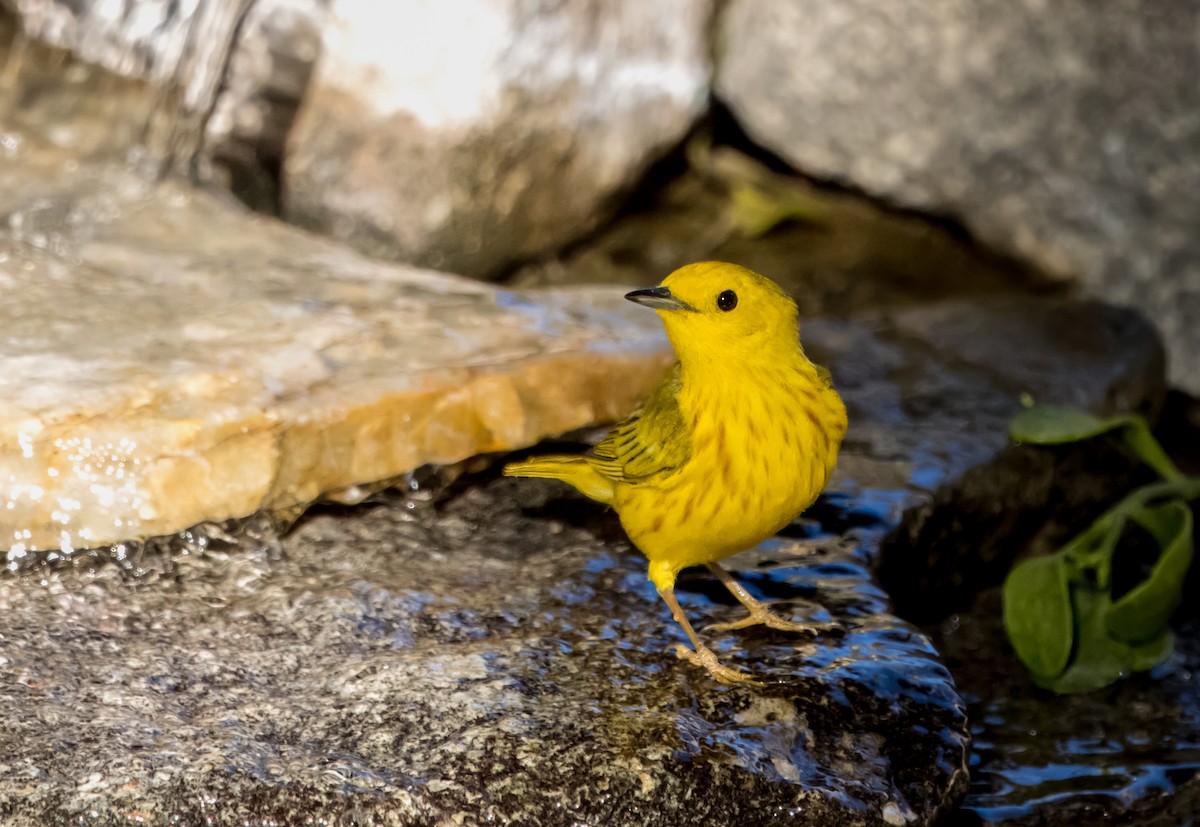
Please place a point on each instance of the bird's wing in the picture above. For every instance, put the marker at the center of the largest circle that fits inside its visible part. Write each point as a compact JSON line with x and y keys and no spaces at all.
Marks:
{"x":653,"y":440}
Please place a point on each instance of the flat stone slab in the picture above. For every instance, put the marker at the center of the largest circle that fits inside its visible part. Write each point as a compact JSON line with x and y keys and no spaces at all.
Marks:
{"x":169,"y":359}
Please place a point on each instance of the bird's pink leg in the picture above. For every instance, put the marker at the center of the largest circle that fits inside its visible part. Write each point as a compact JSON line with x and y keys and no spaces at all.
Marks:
{"x":759,"y":615}
{"x":702,"y":656}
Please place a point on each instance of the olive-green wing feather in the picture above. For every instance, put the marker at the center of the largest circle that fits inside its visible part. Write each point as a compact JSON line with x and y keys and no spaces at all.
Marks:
{"x":652,"y":441}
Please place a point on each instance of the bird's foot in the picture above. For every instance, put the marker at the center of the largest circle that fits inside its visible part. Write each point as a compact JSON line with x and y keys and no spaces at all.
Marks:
{"x":720,"y":672}
{"x":760,"y":615}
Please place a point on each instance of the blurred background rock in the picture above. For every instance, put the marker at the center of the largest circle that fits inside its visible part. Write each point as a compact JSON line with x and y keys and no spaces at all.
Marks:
{"x":486,"y":137}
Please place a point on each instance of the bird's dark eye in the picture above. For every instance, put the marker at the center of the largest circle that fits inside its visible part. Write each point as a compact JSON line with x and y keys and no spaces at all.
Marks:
{"x":727,"y":300}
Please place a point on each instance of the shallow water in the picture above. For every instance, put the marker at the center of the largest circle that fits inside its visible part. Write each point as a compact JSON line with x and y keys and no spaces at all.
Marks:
{"x":1113,"y":753}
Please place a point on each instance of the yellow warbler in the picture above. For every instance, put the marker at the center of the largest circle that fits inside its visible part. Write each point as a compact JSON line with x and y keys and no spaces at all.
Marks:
{"x":737,"y":440}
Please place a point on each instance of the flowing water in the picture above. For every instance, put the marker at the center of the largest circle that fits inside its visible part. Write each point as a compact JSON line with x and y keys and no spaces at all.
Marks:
{"x":106,"y":79}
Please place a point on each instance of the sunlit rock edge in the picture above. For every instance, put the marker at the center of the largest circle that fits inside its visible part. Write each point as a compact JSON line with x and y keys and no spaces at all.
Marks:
{"x":172,"y":359}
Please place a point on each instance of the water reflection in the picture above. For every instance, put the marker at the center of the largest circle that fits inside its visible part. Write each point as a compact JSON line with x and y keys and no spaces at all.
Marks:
{"x":1035,"y":752}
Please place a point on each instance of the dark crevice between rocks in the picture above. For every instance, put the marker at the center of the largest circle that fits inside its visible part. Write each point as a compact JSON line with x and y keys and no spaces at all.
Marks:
{"x":728,"y":131}
{"x":252,"y":171}
{"x":853,"y":252}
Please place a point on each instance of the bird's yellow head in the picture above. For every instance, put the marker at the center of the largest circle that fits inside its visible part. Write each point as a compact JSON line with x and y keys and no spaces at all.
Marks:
{"x":713,"y":310}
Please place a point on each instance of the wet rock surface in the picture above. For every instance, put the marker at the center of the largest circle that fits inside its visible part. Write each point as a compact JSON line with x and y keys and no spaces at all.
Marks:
{"x":1060,"y":133}
{"x":498,"y":652}
{"x":930,"y":388}
{"x":1027,"y":499}
{"x":500,"y":658}
{"x":1125,"y":754}
{"x":964,"y":536}
{"x":154,"y":378}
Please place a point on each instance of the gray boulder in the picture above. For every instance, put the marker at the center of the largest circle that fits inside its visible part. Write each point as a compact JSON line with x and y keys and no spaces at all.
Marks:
{"x":1062,"y":132}
{"x":465,"y":138}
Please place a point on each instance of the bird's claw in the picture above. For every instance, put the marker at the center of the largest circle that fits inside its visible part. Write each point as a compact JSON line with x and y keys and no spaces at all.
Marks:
{"x":763,"y":616}
{"x":720,"y":672}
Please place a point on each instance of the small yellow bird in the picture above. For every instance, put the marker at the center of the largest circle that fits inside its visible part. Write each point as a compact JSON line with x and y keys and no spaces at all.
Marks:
{"x":737,"y":440}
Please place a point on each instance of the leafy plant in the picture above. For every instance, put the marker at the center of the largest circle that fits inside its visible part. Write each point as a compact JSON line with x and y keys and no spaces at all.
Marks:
{"x":1059,"y":609}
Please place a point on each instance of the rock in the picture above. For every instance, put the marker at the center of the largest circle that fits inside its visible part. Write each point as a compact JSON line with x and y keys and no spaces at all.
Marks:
{"x":170,"y":358}
{"x":966,"y":533}
{"x":1040,"y":759}
{"x":180,"y":47}
{"x":498,"y":654}
{"x":472,"y":137}
{"x":162,"y":43}
{"x":932,"y":387}
{"x":836,"y":253}
{"x":224,"y":79}
{"x":1059,"y":132}
{"x":500,"y":658}
{"x":967,"y":536}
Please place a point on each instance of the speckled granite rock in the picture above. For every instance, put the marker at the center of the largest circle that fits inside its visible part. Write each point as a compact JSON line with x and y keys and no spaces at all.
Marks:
{"x":1064,"y":132}
{"x":169,"y":358}
{"x":471,"y":135}
{"x":497,"y":655}
{"x":501,"y":659}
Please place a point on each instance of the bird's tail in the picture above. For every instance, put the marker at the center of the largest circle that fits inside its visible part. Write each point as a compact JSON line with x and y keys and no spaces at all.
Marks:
{"x":574,"y":470}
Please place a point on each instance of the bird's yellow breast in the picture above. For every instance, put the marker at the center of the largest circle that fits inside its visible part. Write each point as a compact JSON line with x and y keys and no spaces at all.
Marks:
{"x":764,"y":441}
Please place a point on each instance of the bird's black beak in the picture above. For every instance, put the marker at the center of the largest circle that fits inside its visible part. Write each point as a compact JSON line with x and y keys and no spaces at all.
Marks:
{"x":659,"y":298}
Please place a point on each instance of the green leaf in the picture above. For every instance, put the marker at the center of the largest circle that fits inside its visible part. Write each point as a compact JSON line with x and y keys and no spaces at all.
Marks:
{"x":1112,"y":641}
{"x":1054,"y":425}
{"x":1146,"y":656}
{"x":1037,"y":614}
{"x":1143,"y":613}
{"x":1137,"y":435}
{"x":755,"y":212}
{"x":1098,"y":659}
{"x":1092,"y":550}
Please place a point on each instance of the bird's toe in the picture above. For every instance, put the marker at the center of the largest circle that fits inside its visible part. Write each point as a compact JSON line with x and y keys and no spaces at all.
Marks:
{"x":719,"y":671}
